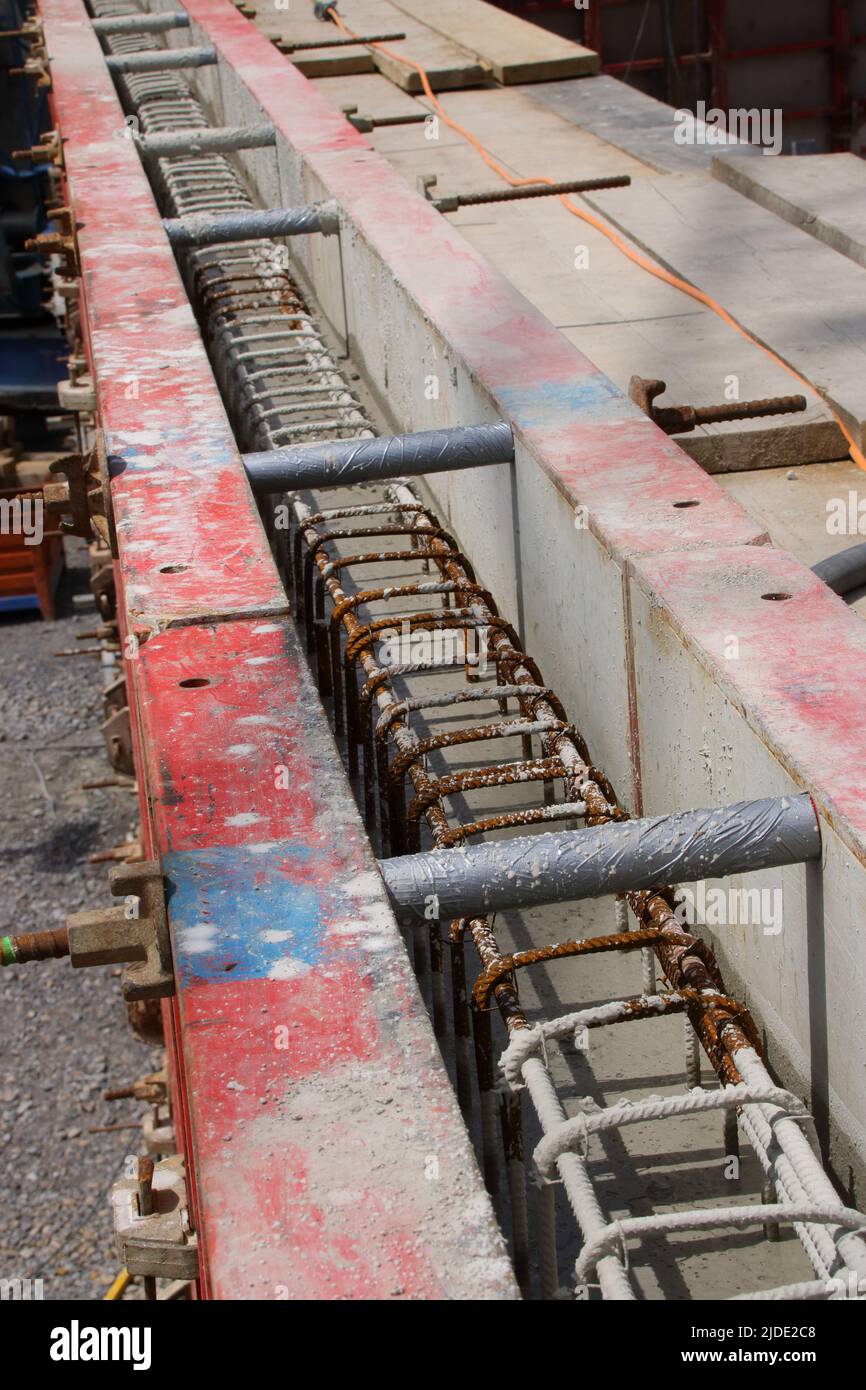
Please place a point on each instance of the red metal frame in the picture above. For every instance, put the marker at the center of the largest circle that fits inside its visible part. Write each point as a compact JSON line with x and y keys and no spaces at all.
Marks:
{"x":841,"y":112}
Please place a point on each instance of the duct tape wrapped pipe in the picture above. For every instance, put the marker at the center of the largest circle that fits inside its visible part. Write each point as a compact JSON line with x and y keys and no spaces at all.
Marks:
{"x":345,"y":461}
{"x":617,"y":858}
{"x":252,"y":224}
{"x":845,"y":571}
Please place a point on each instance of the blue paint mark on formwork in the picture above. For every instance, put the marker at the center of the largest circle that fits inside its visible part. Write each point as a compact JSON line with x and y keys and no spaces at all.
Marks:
{"x":239,"y":915}
{"x":544,"y":403}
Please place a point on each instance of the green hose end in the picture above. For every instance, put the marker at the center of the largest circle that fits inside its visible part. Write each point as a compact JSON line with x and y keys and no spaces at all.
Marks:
{"x":8,"y":955}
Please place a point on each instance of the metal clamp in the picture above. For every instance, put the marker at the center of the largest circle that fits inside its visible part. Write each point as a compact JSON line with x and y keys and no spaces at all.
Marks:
{"x":60,"y":242}
{"x":134,"y":935}
{"x":151,"y":1221}
{"x":83,"y":502}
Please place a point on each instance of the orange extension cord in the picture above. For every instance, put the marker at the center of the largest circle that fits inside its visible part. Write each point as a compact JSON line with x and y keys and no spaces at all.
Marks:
{"x":613,"y":237}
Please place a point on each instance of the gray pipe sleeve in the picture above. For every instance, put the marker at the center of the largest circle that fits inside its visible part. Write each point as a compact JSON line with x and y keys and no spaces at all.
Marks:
{"x":141,"y":23}
{"x":161,"y":60}
{"x":199,"y":139}
{"x":628,"y":855}
{"x":208,"y":229}
{"x":845,"y":571}
{"x":346,"y":461}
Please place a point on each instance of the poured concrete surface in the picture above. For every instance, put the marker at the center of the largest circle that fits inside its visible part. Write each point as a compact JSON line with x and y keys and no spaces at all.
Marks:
{"x":628,"y":120}
{"x":823,"y":194}
{"x":797,"y":296}
{"x":625,"y":321}
{"x":799,"y":508}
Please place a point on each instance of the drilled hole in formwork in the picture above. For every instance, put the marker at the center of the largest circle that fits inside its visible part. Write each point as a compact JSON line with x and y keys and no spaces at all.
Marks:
{"x":775,"y":598}
{"x":194,"y":683}
{"x":173,"y":569}
{"x":688,"y":502}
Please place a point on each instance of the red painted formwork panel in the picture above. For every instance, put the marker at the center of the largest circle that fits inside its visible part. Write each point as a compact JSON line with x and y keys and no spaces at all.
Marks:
{"x":191,"y":543}
{"x":330,"y":1158}
{"x":318,"y":1122}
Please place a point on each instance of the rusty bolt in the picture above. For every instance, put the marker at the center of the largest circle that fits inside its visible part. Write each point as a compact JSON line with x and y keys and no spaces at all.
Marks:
{"x":681,"y":419}
{"x":32,"y":946}
{"x":145,"y":1185}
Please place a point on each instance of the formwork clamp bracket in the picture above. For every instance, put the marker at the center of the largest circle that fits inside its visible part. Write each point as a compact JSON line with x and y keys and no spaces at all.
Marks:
{"x":134,"y":934}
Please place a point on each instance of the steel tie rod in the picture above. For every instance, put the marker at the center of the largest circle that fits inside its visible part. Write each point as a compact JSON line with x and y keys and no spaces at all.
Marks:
{"x":253,"y":224}
{"x":290,"y":46}
{"x":450,"y":202}
{"x":615,"y":858}
{"x":340,"y":462}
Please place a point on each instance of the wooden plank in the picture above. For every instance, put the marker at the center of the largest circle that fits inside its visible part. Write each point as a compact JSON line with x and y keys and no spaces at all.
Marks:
{"x":514,"y":50}
{"x":447,"y":65}
{"x":796,"y":296}
{"x":288,"y":26}
{"x":824,"y":194}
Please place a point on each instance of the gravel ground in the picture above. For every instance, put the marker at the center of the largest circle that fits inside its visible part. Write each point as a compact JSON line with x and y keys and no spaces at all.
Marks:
{"x":65,"y":1037}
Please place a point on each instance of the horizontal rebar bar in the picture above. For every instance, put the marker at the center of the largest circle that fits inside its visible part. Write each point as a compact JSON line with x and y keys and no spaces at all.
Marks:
{"x":345,"y":461}
{"x":252,"y":224}
{"x":162,"y":59}
{"x":209,"y":139}
{"x":615,"y":858}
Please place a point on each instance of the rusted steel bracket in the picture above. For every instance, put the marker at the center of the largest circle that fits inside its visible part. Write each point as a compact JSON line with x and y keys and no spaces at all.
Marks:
{"x":135,"y":934}
{"x":365,"y":124}
{"x":31,"y":31}
{"x":153,"y":1089}
{"x":83,"y":502}
{"x":681,"y":419}
{"x":61,"y":242}
{"x":152,"y":1223}
{"x":36,"y":67}
{"x":102,"y":584}
{"x":116,"y":727}
{"x":48,"y":151}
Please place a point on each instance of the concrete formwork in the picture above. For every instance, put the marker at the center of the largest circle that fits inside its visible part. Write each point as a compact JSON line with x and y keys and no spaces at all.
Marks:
{"x":415,"y":300}
{"x":295,"y":1001}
